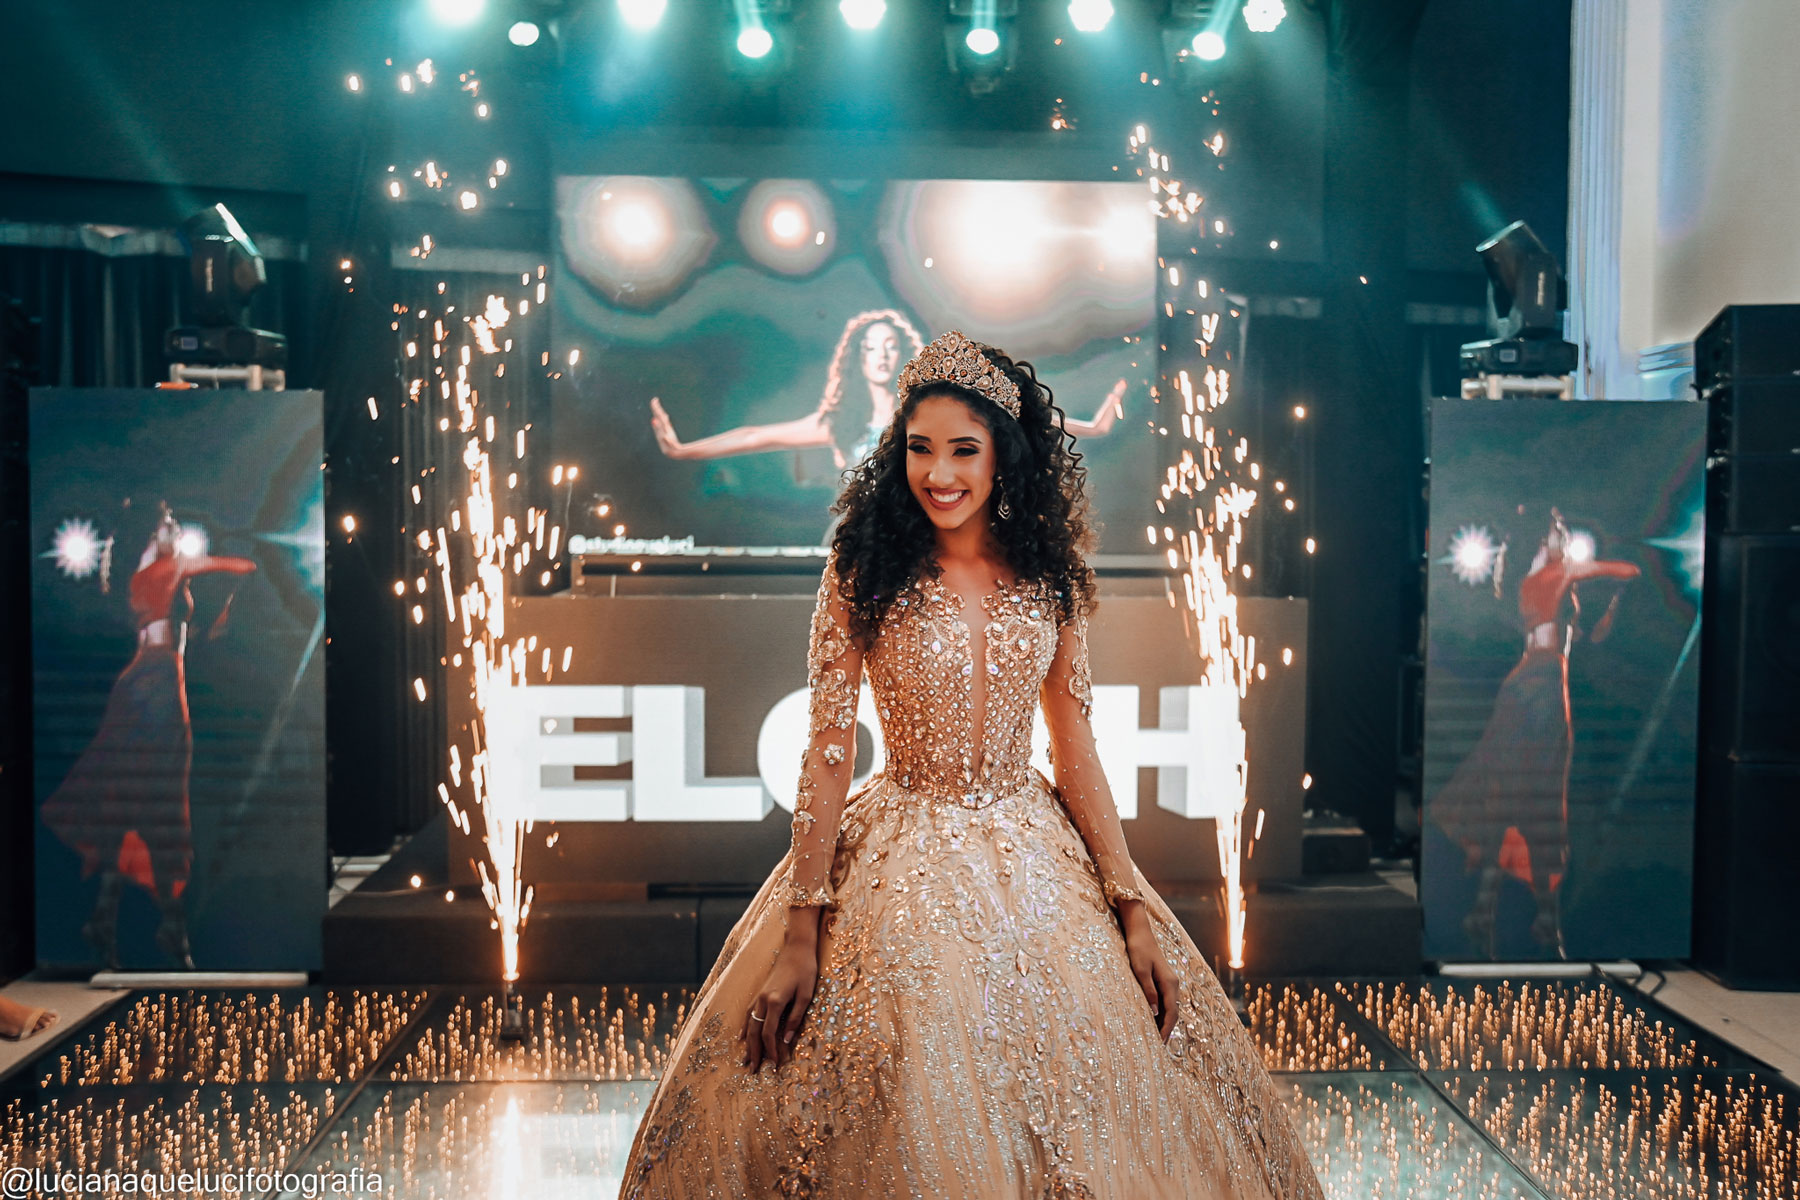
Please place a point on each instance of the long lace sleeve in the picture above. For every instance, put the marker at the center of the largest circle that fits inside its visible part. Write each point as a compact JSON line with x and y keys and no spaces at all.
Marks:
{"x":1068,"y":700}
{"x":834,"y":673}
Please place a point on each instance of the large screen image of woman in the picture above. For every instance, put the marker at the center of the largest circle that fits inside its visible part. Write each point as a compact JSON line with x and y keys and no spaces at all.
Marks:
{"x":728,"y":347}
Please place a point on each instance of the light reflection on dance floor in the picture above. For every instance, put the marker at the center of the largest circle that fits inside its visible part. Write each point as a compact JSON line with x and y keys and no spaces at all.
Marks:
{"x":1402,"y":1089}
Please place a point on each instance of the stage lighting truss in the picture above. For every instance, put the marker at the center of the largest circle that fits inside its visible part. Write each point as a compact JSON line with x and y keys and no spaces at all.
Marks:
{"x":1196,"y":13}
{"x":978,"y":43}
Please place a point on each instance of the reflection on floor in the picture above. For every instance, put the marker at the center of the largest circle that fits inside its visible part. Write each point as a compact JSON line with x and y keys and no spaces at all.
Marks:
{"x":1402,"y":1088}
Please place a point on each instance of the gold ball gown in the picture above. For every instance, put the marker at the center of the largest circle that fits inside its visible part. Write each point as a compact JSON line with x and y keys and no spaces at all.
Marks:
{"x":976,"y":1030}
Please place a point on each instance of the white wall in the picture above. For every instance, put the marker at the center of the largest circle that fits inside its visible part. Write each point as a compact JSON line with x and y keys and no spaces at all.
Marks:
{"x":1685,"y":178}
{"x":1728,"y":197}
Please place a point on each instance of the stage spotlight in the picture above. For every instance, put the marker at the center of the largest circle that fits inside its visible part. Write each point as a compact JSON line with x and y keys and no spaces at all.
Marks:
{"x":1526,"y":298}
{"x":1526,"y":285}
{"x":753,"y":41}
{"x":1090,"y":16}
{"x":642,"y":15}
{"x":457,"y":12}
{"x":225,"y":271}
{"x":763,"y":44}
{"x":1262,"y":16}
{"x":1193,"y":38}
{"x":863,"y":14}
{"x":523,"y":33}
{"x":977,"y":42}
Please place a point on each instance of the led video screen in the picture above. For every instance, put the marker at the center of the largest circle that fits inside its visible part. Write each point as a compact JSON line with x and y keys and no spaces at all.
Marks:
{"x":178,"y":628}
{"x":726,"y":348}
{"x":1562,"y":679}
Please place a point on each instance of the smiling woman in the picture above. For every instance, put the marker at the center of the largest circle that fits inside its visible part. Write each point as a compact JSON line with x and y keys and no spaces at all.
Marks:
{"x":1027,"y":501}
{"x":950,"y":467}
{"x":960,"y":926}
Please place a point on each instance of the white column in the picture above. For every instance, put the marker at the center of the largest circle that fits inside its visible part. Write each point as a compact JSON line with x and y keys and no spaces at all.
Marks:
{"x":1614,"y":136}
{"x":1596,"y":80}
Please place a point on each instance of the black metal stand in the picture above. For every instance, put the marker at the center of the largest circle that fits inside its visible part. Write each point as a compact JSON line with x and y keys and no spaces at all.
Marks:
{"x":512,"y":1015}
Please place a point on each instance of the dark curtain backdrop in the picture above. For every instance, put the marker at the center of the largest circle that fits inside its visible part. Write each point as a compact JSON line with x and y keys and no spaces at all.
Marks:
{"x":1339,"y":486}
{"x":1281,"y":372}
{"x":104,"y":314}
{"x":1369,"y":425}
{"x":1287,"y":367}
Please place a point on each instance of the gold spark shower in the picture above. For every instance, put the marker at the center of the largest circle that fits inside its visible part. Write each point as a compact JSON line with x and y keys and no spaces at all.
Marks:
{"x":466,"y":353}
{"x":1205,"y":508}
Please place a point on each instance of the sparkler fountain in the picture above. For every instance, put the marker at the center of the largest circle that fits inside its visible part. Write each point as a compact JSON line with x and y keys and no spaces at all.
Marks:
{"x":1205,"y":508}
{"x":483,"y":623}
{"x":462,"y":412}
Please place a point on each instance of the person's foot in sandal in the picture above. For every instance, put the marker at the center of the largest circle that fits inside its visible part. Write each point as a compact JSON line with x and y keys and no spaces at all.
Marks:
{"x":18,"y":1021}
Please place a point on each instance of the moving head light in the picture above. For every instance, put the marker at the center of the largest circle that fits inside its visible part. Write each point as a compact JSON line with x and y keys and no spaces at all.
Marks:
{"x":224,"y":272}
{"x":1527,"y":296}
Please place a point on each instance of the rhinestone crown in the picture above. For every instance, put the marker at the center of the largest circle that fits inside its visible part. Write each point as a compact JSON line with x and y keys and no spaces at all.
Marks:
{"x":953,"y":358}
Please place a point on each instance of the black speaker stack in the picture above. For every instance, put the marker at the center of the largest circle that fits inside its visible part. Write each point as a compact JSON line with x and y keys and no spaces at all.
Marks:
{"x":18,"y":371}
{"x":1747,"y":827}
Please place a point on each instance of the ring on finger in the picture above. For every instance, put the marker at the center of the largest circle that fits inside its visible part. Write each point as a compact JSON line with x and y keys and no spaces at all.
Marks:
{"x":759,"y":1016}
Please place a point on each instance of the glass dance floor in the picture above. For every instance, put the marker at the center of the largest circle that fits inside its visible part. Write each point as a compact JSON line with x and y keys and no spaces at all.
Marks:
{"x":1409,"y":1089}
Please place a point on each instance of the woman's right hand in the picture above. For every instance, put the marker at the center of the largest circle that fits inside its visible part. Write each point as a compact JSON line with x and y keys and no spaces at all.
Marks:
{"x":782,"y":1003}
{"x":664,"y":429}
{"x":1110,"y":409}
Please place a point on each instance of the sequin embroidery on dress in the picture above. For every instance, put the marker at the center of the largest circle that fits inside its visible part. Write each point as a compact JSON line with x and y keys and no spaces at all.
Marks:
{"x":976,"y":1030}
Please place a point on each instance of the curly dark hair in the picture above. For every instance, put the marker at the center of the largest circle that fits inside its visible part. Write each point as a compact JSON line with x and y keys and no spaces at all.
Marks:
{"x":847,"y":409}
{"x":883,"y":543}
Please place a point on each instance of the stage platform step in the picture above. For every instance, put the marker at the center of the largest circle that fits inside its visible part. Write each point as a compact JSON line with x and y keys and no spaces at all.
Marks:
{"x":388,"y":931}
{"x":1333,"y":845}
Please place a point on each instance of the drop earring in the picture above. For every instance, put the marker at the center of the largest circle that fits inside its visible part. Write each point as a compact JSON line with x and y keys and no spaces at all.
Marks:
{"x":1003,"y":510}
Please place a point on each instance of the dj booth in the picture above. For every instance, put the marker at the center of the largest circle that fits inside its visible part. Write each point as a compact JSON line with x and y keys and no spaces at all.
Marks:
{"x":658,"y":764}
{"x":666,"y":752}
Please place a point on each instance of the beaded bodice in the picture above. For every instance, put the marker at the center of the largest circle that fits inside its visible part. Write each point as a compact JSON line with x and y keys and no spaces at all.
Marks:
{"x":956,"y":694}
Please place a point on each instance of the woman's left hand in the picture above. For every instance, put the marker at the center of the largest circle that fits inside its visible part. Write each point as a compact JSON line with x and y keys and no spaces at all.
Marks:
{"x":1161,"y":987}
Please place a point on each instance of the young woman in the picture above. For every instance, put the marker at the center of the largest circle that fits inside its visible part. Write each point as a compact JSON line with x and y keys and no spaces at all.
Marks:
{"x":1517,"y":776}
{"x":956,"y":984}
{"x":124,"y":805}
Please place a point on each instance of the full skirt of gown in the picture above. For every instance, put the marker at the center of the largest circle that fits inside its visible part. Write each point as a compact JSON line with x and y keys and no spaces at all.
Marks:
{"x":976,"y":1032}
